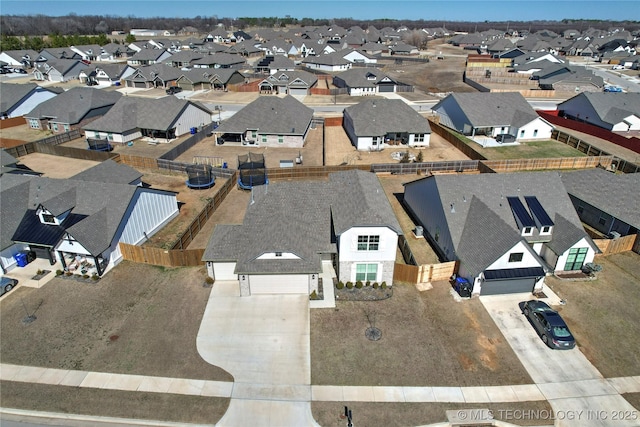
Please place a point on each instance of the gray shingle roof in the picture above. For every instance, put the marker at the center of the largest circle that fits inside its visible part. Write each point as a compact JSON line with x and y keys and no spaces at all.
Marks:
{"x":615,"y":194}
{"x":109,"y":171}
{"x":377,"y":117}
{"x":296,"y":217}
{"x":271,"y":115}
{"x":362,"y":77}
{"x":609,"y":107}
{"x":148,"y":54}
{"x":492,"y":191}
{"x":145,"y":113}
{"x":22,"y":193}
{"x":73,"y":105}
{"x":493,"y":109}
{"x":11,"y":94}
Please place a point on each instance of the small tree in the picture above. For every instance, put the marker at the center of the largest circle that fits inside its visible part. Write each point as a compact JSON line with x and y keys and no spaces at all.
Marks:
{"x":419,"y":157}
{"x":405,"y":157}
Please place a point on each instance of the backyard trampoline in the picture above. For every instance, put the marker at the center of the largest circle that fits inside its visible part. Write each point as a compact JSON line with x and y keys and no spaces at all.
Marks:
{"x":251,"y":171}
{"x":99,"y":144}
{"x":200,"y":176}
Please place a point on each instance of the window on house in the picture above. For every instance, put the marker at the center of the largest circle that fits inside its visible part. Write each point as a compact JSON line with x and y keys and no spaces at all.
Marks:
{"x":419,"y":137}
{"x":522,"y":134}
{"x":545,"y":230}
{"x":535,"y":132}
{"x":109,"y":137}
{"x":516,"y":257}
{"x":602,"y":220}
{"x":527,"y":231}
{"x":575,"y":259}
{"x":66,"y":128}
{"x":368,"y":243}
{"x":280,"y":139}
{"x":278,"y":253}
{"x":264,"y":138}
{"x":54,"y":127}
{"x":34,"y":123}
{"x":366,"y":272}
{"x":48,"y":218}
{"x":254,"y":134}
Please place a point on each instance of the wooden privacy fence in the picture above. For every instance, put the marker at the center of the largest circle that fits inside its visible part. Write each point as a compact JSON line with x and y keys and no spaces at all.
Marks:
{"x":162,"y":257}
{"x":310,"y":172}
{"x":204,"y":215}
{"x":514,"y":165}
{"x":615,"y":246}
{"x":424,"y":273}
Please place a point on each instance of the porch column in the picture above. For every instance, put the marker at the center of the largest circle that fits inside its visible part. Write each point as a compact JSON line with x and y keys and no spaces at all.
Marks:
{"x":98,"y":266}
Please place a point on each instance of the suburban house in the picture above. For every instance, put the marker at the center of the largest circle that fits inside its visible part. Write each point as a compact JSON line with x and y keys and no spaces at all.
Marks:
{"x":90,"y":52}
{"x":204,"y":79}
{"x":79,"y":221}
{"x":484,"y":116}
{"x":358,"y":56}
{"x":71,"y":109}
{"x":18,"y":99}
{"x":292,"y":231}
{"x":289,"y":82}
{"x":54,"y":53}
{"x":58,"y":70}
{"x":151,"y":76}
{"x":22,"y":58}
{"x":375,"y":123}
{"x":149,"y":56}
{"x":270,"y":121}
{"x":365,"y":81}
{"x":568,"y":78}
{"x":327,"y":62}
{"x":159,"y":120}
{"x":106,"y":74}
{"x":607,"y":202}
{"x":274,"y":64}
{"x":507,"y":230}
{"x":184,"y":58}
{"x":617,"y":112}
{"x":220,"y":60}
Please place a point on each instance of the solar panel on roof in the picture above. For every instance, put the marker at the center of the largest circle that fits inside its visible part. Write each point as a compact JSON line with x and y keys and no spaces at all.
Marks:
{"x":520,"y":212}
{"x":538,"y":211}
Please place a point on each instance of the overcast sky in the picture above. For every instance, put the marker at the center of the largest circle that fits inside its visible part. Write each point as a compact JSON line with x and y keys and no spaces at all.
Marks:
{"x":452,"y":10}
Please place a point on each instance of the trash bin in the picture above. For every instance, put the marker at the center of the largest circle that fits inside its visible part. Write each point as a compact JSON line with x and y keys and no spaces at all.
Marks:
{"x":21,"y":259}
{"x":224,"y":165}
{"x":193,"y":131}
{"x":463,"y":287}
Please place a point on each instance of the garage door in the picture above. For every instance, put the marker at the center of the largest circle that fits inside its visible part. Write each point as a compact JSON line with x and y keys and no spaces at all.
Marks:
{"x":279,"y":284}
{"x":297,"y":91}
{"x":511,"y":286}
{"x":386,"y":88}
{"x":224,"y":271}
{"x":140,"y":84}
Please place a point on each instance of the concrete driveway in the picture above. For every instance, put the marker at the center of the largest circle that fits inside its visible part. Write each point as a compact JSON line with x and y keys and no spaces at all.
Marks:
{"x":575,"y":389}
{"x":263,"y":341}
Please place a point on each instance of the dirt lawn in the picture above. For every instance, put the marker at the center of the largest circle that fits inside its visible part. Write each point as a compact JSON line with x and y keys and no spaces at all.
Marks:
{"x":138,"y":319}
{"x":603,"y":314}
{"x":55,"y":166}
{"x":428,"y":339}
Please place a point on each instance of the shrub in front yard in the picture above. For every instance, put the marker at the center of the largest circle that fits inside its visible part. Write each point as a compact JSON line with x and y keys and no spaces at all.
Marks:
{"x":339,"y":285}
{"x":375,"y":285}
{"x":367,"y":283}
{"x":384,"y":285}
{"x":349,"y":285}
{"x":359,"y":284}
{"x":209,"y":280}
{"x":59,"y":272}
{"x":314,"y":295}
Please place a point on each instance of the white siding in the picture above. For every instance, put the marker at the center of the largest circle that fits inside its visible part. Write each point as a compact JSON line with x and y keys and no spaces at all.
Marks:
{"x":543,"y":130}
{"x":147,"y":213}
{"x":192,"y":116}
{"x":7,"y":254}
{"x":529,"y":259}
{"x":582,"y":243}
{"x":32,"y":102}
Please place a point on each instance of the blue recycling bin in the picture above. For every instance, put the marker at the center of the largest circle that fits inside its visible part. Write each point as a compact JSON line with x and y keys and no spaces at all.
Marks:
{"x":21,"y":259}
{"x":224,"y":165}
{"x":463,"y":287}
{"x":193,"y":131}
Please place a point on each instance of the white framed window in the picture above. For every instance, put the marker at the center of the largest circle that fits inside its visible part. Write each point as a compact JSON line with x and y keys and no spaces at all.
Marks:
{"x":34,"y":123}
{"x":366,"y":272}
{"x":535,"y":132}
{"x":54,"y":127}
{"x":419,"y":137}
{"x":264,"y":138}
{"x":522,"y":134}
{"x":280,"y":139}
{"x":66,"y":127}
{"x":109,"y":137}
{"x":545,"y":230}
{"x":527,"y":231}
{"x":368,"y":243}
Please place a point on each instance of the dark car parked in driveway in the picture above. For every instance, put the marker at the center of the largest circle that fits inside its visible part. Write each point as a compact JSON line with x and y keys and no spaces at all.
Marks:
{"x":173,"y":90}
{"x":549,"y":325}
{"x":6,"y":284}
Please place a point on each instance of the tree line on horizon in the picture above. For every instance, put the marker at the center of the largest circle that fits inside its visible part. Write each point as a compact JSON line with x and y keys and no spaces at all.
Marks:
{"x":95,"y":25}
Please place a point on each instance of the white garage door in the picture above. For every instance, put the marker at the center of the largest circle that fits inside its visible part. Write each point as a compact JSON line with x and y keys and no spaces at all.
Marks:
{"x":279,"y":284}
{"x":297,"y":91}
{"x":224,"y":271}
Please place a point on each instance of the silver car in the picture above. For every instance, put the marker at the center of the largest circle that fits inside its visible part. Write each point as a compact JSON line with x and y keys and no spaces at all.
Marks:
{"x":6,"y":284}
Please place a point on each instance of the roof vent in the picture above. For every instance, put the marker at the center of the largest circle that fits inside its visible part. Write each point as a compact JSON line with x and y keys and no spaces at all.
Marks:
{"x":453,"y":208}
